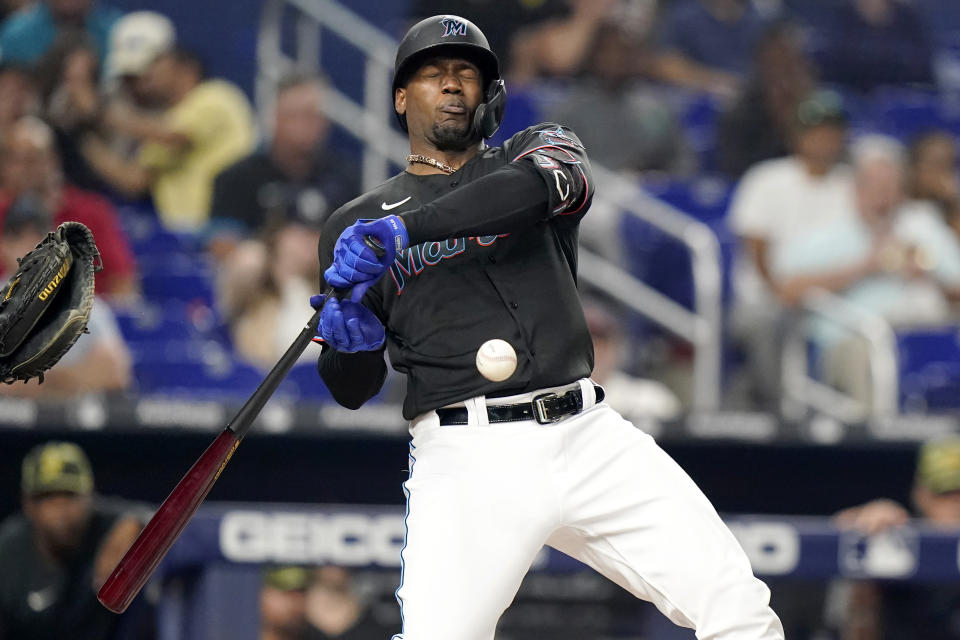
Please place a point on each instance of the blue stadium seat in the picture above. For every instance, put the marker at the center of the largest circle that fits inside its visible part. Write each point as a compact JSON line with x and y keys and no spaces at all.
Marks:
{"x":308,"y":383}
{"x":929,"y":361}
{"x":166,"y":286}
{"x":905,"y":113}
{"x":661,"y":261}
{"x":229,"y":380}
{"x":918,"y":348}
{"x":152,"y":322}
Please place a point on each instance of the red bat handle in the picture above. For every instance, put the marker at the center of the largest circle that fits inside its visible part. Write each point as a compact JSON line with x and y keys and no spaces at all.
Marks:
{"x":162,"y":531}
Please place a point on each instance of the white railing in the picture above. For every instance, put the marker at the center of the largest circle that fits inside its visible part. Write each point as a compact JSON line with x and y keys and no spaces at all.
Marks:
{"x":369,"y":121}
{"x":802,"y":391}
{"x":701,"y":327}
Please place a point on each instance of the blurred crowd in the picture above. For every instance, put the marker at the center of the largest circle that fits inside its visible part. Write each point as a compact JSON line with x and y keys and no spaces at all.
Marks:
{"x":106,"y":118}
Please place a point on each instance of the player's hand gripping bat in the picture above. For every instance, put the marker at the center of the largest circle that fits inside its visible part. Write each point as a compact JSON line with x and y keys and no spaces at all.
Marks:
{"x":143,"y":556}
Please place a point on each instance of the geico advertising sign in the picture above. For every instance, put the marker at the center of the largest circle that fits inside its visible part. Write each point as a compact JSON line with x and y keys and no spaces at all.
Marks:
{"x":351,"y":539}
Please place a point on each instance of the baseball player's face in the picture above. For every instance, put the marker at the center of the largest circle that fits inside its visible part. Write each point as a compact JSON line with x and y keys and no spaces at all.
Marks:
{"x":439,"y":102}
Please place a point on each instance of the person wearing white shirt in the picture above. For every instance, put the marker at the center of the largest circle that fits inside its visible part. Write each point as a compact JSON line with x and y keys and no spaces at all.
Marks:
{"x":777,"y":203}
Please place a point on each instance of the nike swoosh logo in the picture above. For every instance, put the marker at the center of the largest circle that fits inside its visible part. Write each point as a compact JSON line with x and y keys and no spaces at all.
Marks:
{"x":387,"y":207}
{"x":41,"y":599}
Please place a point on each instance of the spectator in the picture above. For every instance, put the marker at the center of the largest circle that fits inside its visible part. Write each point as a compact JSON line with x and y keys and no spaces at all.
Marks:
{"x":646,"y":136}
{"x":206,"y":127}
{"x":559,"y":44}
{"x":69,"y":78}
{"x":881,"y":611}
{"x":261,"y":289}
{"x":10,"y":7}
{"x":869,"y":43}
{"x":636,"y":399}
{"x":60,"y":549}
{"x":933,"y":174}
{"x":296,"y":176}
{"x":336,"y":610}
{"x":28,"y":34}
{"x":759,"y":123}
{"x":707,"y":45}
{"x":894,"y":259}
{"x":135,"y":41}
{"x":29,"y":165}
{"x":283,"y":603}
{"x":18,"y":96}
{"x":777,"y":202}
{"x":98,"y":362}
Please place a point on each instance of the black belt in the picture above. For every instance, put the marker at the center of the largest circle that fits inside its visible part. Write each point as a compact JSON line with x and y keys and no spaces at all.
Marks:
{"x":544,"y":408}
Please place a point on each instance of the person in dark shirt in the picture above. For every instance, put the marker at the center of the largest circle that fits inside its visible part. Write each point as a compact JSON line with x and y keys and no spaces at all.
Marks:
{"x":759,"y":124}
{"x":283,"y":602}
{"x":59,"y":551}
{"x":478,"y":244}
{"x":870,"y":43}
{"x":707,"y":45}
{"x":295,"y":176}
{"x":335,"y":611}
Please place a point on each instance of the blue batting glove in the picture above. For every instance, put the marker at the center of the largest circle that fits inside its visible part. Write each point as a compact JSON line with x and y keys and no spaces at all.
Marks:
{"x":350,"y":327}
{"x":354,"y":262}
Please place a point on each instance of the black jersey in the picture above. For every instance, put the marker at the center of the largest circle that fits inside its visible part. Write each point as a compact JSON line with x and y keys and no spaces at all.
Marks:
{"x":493,"y":255}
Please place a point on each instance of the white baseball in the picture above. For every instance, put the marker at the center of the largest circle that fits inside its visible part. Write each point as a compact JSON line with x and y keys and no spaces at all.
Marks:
{"x":496,"y":360}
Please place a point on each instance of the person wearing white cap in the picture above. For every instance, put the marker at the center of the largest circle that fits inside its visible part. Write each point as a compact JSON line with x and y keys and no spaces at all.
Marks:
{"x":135,"y":40}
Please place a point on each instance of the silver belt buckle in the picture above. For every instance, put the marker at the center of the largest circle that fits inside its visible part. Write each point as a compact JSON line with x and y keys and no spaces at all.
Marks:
{"x":540,"y":412}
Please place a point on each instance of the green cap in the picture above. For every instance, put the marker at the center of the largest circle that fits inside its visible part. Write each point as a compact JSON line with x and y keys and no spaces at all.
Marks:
{"x":287,"y":578}
{"x":822,"y":107}
{"x":938,"y":466}
{"x":57,"y":466}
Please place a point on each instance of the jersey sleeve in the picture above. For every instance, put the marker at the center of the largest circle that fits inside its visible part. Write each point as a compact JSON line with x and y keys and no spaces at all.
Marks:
{"x":545,"y":174}
{"x":561,"y":161}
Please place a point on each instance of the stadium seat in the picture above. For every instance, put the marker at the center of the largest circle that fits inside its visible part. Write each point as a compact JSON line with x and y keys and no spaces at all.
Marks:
{"x":228,"y":379}
{"x":660,"y":260}
{"x":166,"y":286}
{"x":307,"y":381}
{"x":929,"y":361}
{"x":905,"y":113}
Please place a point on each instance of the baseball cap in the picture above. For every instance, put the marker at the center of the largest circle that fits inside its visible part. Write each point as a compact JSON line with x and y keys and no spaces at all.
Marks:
{"x":55,"y":467}
{"x":287,"y":578}
{"x":136,"y":40}
{"x":938,"y":465}
{"x":821,"y":107}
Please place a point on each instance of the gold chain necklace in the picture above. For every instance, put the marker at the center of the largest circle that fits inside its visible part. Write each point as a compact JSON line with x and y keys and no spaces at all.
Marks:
{"x":416,"y":157}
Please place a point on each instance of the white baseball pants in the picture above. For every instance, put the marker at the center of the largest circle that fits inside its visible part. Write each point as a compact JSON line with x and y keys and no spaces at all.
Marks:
{"x":483,"y":498}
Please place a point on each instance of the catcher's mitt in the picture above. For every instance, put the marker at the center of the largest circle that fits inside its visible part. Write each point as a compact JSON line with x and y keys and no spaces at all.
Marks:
{"x":46,"y":304}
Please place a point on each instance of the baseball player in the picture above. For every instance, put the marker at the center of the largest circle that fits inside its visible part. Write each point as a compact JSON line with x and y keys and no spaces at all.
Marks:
{"x":481,"y":243}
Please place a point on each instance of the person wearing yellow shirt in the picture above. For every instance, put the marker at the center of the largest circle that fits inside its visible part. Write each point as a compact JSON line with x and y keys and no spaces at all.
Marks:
{"x":207,"y":125}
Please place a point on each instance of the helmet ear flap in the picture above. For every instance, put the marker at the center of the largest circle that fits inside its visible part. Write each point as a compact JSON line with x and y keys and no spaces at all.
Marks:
{"x":487,"y":118}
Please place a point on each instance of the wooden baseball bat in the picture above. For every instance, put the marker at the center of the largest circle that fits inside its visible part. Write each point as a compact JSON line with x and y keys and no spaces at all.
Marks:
{"x":141,"y":559}
{"x":146,"y":552}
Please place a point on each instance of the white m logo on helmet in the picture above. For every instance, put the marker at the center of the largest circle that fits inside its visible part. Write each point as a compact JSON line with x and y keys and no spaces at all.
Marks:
{"x":453,"y":27}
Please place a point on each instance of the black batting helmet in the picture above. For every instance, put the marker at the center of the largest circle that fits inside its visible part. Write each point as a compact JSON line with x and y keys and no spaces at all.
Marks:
{"x":449,"y":35}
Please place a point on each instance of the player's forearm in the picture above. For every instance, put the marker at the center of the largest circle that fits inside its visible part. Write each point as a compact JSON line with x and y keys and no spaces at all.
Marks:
{"x":352,"y":378}
{"x":511,"y":198}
